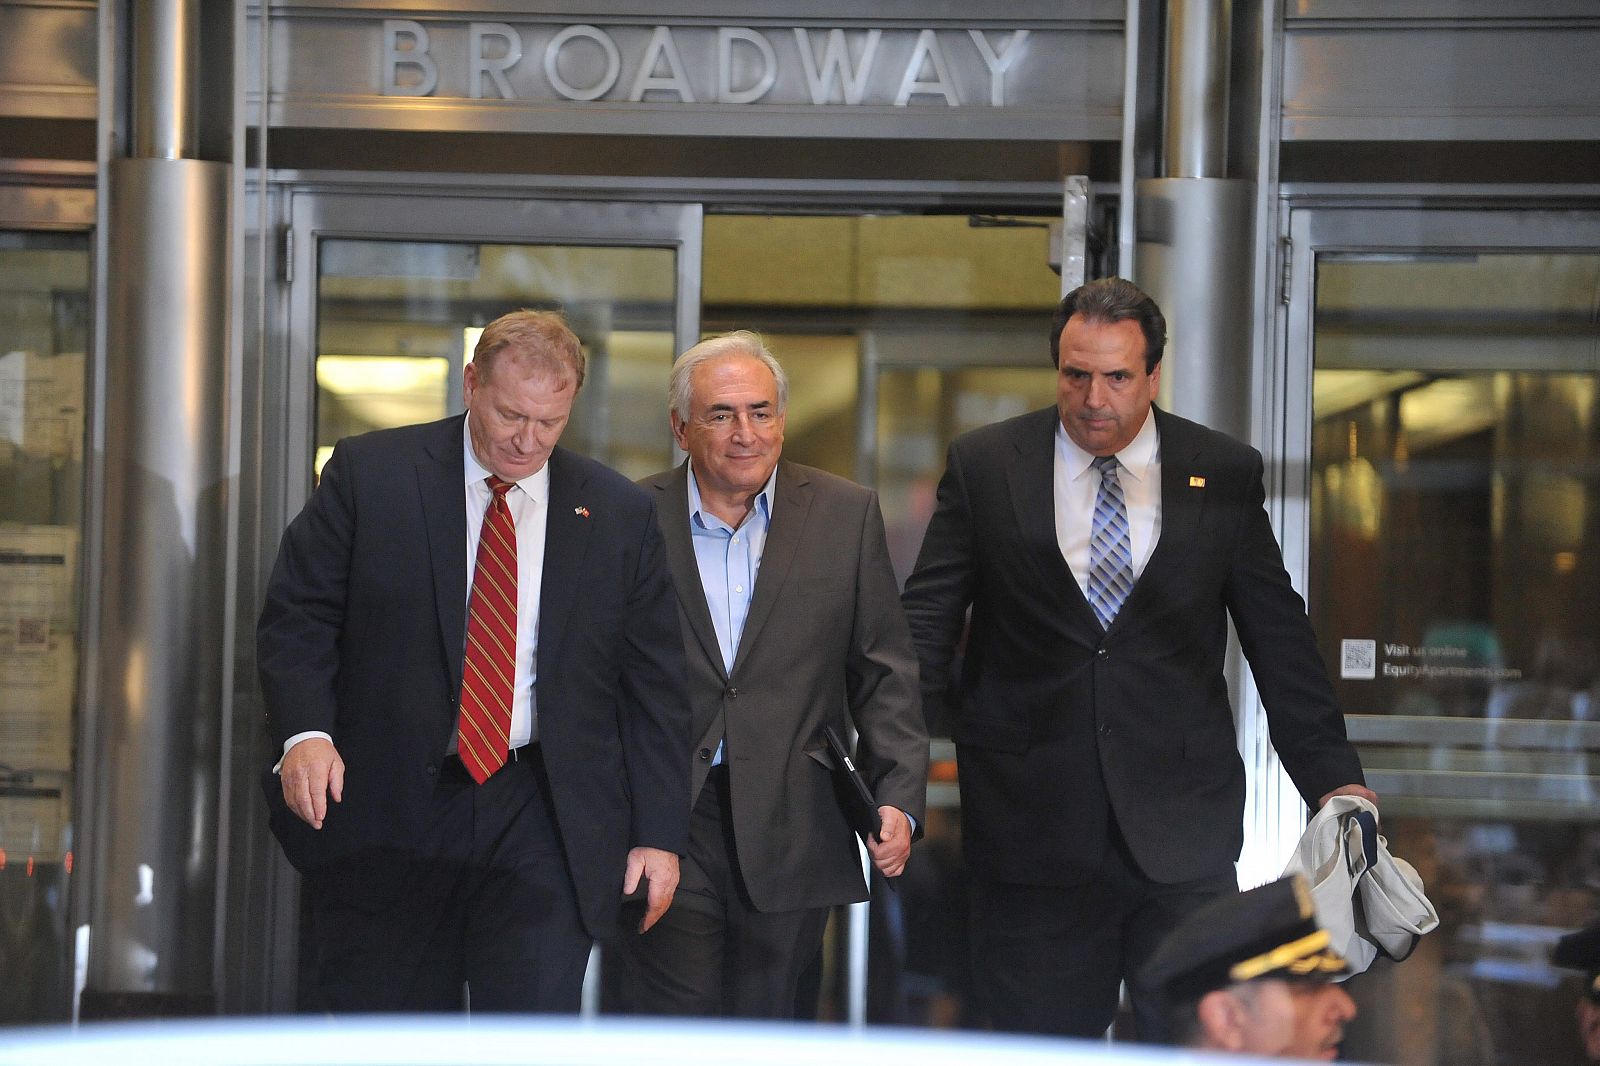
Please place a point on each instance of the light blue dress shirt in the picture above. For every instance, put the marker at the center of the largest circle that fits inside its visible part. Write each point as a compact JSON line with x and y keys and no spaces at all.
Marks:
{"x":729,"y":560}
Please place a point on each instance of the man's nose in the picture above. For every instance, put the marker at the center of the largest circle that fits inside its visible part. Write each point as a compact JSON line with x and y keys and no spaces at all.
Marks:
{"x":1095,"y":395}
{"x":1345,"y":1005}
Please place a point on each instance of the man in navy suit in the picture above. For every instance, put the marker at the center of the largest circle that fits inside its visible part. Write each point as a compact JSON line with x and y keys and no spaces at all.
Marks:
{"x":428,"y":874}
{"x":1102,"y":545}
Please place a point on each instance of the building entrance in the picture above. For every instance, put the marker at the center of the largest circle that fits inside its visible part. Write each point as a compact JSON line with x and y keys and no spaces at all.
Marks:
{"x":898,"y":331}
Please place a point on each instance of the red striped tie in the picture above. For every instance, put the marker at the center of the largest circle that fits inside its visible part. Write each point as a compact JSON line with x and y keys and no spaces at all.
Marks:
{"x":488,"y":675}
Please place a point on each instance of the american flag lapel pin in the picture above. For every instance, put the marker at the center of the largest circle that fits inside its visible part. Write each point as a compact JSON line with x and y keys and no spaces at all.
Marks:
{"x":581,"y":512}
{"x":1196,"y":482}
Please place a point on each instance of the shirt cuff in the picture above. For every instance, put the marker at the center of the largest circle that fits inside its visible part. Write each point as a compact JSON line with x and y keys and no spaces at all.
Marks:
{"x":277,"y":767}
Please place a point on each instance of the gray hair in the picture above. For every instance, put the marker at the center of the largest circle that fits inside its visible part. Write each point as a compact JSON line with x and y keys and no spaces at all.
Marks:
{"x":739,"y":342}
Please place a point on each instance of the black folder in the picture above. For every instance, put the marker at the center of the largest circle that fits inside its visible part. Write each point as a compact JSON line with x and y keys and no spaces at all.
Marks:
{"x":855,"y":795}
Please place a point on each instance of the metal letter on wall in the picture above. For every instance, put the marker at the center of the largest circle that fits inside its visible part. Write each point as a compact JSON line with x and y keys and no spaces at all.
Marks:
{"x":1046,"y":71}
{"x":413,"y":55}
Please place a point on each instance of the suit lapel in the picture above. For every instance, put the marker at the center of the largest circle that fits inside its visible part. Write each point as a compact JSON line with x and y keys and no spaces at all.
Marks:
{"x":566,"y":542}
{"x":672,"y":510}
{"x":442,"y":490}
{"x":1182,"y":505}
{"x":1031,"y":478}
{"x":790,"y":507}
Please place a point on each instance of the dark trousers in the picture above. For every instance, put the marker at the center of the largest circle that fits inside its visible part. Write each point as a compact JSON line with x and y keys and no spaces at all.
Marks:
{"x":1050,"y":959}
{"x":484,"y":903}
{"x":713,"y":954}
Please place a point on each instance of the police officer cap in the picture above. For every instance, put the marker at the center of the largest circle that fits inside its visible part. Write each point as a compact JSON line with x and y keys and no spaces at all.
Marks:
{"x":1581,"y":951}
{"x":1269,"y":931}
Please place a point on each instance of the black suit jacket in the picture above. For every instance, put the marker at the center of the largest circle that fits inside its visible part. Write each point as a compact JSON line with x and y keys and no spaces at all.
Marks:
{"x":825,"y":638}
{"x":1062,"y":724}
{"x":364,"y":629}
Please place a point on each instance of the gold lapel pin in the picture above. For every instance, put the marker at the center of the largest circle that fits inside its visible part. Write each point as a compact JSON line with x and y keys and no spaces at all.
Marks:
{"x":1196,"y":482}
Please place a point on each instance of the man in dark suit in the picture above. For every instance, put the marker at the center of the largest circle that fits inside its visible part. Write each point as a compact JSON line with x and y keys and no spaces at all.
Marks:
{"x":470,"y":654}
{"x":791,"y":622}
{"x":1101,"y":790}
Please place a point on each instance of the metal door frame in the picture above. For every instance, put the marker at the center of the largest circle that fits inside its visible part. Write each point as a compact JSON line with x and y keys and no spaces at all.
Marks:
{"x":1322,"y":221}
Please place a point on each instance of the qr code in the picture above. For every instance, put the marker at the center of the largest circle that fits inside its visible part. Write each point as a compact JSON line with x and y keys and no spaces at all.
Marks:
{"x":1358,"y":660}
{"x":33,"y":634}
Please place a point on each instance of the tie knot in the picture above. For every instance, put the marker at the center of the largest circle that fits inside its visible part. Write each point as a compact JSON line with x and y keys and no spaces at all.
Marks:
{"x":498,"y":487}
{"x":1106,"y":464}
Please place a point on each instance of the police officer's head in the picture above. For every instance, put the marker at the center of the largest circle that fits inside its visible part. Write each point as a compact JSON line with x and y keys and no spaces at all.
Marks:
{"x":1252,"y":973}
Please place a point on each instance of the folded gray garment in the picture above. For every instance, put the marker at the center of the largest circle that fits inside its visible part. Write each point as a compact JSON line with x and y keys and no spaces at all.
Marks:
{"x":1368,"y":900}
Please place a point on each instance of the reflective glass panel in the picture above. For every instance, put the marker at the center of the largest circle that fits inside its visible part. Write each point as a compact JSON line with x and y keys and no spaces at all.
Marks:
{"x":397,"y":320}
{"x":1455,"y":566}
{"x":920,"y":411}
{"x":44,"y":335}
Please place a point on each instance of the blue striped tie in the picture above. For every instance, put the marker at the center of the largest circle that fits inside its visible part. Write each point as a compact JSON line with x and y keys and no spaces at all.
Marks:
{"x":1110,"y":547}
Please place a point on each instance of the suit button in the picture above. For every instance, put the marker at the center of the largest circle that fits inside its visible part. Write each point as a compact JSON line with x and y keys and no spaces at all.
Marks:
{"x":432,"y":770}
{"x":1103,"y":653}
{"x":705,"y":754}
{"x":731,"y":693}
{"x":1105,"y":731}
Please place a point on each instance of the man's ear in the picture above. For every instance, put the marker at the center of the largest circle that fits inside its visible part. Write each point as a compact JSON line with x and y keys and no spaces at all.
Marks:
{"x":1222,"y":1019}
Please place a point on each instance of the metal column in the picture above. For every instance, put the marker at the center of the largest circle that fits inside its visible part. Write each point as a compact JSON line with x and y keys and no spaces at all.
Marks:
{"x":153,"y":838}
{"x":1193,"y":228}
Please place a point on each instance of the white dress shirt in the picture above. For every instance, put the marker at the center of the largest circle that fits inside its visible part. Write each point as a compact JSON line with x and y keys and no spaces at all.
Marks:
{"x":529,"y":501}
{"x":1077,"y":483}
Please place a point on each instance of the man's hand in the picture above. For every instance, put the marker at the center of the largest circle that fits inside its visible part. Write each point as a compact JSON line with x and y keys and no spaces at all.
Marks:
{"x":1350,"y":790}
{"x":311,"y":772}
{"x":892,"y":846}
{"x":660,"y":869}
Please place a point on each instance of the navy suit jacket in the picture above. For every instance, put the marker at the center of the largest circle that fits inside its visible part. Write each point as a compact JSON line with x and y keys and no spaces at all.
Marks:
{"x":363,"y":634}
{"x":1062,"y":724}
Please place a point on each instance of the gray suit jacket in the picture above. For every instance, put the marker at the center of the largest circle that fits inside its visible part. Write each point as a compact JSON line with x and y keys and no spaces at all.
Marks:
{"x":825,"y":639}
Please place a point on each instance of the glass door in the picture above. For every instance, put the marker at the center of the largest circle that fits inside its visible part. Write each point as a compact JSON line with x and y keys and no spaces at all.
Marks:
{"x":44,"y":379}
{"x":1444,"y":374}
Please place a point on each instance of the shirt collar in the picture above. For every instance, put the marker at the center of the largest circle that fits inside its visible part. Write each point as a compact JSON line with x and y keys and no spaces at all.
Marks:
{"x":536,"y":485}
{"x":704,"y":519}
{"x":1136,"y":458}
